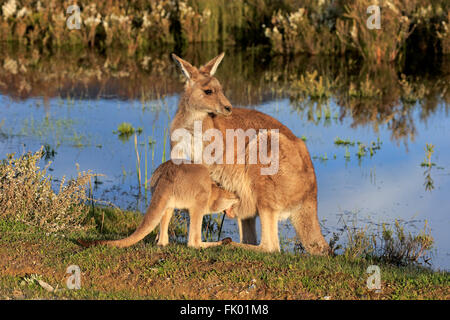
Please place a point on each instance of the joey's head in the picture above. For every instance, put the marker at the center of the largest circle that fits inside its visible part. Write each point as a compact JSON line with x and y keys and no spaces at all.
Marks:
{"x":203,"y":92}
{"x":221,"y":199}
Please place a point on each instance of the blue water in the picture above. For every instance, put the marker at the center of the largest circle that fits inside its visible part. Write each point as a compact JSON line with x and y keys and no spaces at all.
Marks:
{"x":387,"y":186}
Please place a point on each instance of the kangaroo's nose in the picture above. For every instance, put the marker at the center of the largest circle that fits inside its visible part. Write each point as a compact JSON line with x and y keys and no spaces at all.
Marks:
{"x":228,"y":109}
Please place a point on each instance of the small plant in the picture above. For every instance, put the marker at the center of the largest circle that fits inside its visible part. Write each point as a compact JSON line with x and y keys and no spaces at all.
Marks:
{"x":362,"y":150}
{"x":125,"y":130}
{"x":429,"y":150}
{"x":340,"y":142}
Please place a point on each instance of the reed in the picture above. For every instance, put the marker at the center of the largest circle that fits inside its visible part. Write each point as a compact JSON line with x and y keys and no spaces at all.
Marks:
{"x":138,"y":161}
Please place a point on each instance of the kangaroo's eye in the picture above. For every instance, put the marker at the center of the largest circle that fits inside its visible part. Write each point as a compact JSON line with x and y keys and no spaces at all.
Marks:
{"x":208,"y":91}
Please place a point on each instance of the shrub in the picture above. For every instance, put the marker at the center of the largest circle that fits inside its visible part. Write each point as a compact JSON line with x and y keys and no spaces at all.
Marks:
{"x":26,"y":194}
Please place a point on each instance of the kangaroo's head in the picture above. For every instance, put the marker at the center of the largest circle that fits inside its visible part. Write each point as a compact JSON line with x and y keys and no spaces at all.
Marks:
{"x":203,"y":92}
{"x":221,"y":199}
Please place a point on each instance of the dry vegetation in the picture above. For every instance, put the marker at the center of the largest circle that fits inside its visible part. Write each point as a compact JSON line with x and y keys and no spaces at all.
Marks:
{"x":27,"y":195}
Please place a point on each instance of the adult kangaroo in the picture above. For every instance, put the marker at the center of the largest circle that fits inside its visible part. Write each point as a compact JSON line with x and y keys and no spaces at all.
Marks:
{"x":291,"y":192}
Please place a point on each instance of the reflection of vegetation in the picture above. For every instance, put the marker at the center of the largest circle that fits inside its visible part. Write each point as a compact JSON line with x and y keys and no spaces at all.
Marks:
{"x":429,"y":182}
{"x":374,"y":96}
{"x":383,"y":95}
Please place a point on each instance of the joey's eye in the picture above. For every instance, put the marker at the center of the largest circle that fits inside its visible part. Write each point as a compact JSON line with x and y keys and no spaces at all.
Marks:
{"x":208,"y":91}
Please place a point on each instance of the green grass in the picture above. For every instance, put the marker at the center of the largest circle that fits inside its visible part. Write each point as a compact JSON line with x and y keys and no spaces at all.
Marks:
{"x":145,"y":271}
{"x":125,"y":130}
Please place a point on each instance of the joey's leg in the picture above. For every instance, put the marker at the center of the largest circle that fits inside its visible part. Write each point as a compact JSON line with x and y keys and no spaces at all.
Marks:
{"x":164,"y":227}
{"x":195,"y":230}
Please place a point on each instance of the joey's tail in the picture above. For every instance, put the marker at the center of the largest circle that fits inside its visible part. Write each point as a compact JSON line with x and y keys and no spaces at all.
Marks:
{"x":152,"y":218}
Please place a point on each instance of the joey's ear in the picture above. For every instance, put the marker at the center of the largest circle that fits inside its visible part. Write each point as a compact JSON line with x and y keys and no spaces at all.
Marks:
{"x":188,"y":69}
{"x":211,"y":66}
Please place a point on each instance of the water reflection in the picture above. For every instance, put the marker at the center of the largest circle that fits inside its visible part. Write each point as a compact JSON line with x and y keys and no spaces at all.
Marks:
{"x":370,"y":96}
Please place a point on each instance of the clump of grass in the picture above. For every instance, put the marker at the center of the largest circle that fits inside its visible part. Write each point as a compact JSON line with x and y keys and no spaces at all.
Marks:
{"x":375,"y":45}
{"x":305,"y":30}
{"x":362,"y":150}
{"x":402,"y":247}
{"x":26,"y":194}
{"x":125,"y":130}
{"x":343,"y":142}
{"x":392,"y":244}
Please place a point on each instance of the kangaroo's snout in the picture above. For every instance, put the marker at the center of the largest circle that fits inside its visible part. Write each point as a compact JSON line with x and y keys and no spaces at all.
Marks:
{"x":227,"y":110}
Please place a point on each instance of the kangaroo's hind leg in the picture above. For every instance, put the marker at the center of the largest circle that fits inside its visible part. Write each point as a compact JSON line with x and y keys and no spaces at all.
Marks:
{"x":247,"y":230}
{"x":269,"y":233}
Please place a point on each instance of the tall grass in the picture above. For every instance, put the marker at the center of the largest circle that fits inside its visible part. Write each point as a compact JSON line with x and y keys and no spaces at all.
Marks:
{"x":391,"y":243}
{"x":314,"y":27}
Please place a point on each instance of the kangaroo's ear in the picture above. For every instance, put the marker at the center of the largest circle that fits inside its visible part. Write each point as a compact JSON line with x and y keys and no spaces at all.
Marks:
{"x":211,"y":66}
{"x":188,"y":69}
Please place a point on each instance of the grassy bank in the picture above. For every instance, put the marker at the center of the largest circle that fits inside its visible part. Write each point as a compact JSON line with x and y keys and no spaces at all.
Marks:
{"x":146,"y":271}
{"x":39,"y":227}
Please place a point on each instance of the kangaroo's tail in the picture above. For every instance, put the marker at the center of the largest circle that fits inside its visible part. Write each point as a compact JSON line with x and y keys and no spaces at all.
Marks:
{"x":152,"y":218}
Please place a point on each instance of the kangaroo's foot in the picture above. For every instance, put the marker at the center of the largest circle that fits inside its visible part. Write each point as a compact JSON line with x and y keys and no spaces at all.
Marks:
{"x":258,"y":248}
{"x":202,"y":245}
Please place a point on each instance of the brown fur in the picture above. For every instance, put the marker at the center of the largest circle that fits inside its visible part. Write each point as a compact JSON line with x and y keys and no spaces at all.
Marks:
{"x":291,"y":192}
{"x":180,"y":186}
